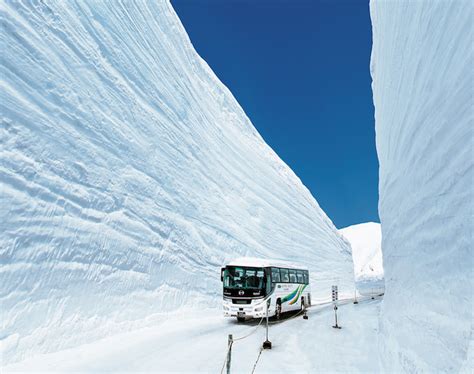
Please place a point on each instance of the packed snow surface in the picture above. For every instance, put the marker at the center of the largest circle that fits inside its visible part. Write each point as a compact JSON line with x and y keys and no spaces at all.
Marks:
{"x":129,"y":175}
{"x":423,"y":89}
{"x":198,"y":343}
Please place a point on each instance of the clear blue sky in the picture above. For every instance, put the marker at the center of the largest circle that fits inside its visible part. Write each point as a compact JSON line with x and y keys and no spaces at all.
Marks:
{"x":300,"y":70}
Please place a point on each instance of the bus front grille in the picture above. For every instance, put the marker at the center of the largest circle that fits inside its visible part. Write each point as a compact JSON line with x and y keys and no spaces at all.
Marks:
{"x":241,"y":301}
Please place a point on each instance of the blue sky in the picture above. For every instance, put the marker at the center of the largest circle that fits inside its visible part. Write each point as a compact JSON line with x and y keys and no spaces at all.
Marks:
{"x":300,"y":70}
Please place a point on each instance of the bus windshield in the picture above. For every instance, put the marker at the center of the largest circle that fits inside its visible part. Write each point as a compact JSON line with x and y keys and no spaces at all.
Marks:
{"x":243,"y":277}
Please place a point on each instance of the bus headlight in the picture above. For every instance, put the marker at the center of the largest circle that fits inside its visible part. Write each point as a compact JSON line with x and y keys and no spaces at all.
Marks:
{"x":226,"y":307}
{"x":259,"y":309}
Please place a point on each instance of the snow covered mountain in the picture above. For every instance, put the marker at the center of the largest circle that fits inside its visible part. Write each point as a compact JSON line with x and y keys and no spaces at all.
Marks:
{"x":422,"y":84}
{"x":366,"y":243}
{"x":129,"y":175}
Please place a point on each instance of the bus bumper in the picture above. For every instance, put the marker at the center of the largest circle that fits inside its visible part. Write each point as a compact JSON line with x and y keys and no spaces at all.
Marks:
{"x":245,"y":311}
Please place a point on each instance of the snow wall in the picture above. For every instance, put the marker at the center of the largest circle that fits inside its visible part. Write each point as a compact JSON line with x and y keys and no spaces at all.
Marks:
{"x":423,"y":94}
{"x":129,"y":175}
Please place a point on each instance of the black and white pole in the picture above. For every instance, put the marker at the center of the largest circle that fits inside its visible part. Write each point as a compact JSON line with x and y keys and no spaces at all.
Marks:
{"x":355,"y":296}
{"x":334,"y":301}
{"x":267,"y":344}
{"x":229,"y":352}
{"x":305,"y":316}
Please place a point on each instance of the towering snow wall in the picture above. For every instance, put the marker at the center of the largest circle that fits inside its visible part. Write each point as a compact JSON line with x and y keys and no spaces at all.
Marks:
{"x":129,"y":175}
{"x":423,"y":94}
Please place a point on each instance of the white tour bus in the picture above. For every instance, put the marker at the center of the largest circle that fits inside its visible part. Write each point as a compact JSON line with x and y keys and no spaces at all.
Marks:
{"x":248,"y":282}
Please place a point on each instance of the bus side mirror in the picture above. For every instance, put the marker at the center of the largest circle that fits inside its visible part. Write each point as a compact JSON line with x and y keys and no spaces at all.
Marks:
{"x":222,"y":274}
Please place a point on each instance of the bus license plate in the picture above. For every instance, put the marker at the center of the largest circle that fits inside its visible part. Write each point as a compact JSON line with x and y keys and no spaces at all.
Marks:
{"x":240,"y":314}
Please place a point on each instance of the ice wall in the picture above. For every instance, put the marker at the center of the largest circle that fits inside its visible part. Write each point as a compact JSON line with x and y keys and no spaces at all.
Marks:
{"x":423,"y":93}
{"x":129,"y":174}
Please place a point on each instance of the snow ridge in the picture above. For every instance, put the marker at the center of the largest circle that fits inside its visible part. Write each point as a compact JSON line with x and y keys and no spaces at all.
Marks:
{"x":129,"y":175}
{"x":423,"y":88}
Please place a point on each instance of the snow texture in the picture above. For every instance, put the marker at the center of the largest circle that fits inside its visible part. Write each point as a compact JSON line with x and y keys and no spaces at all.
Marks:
{"x":366,"y":244}
{"x":198,"y":344}
{"x":423,"y":94}
{"x":129,"y":174}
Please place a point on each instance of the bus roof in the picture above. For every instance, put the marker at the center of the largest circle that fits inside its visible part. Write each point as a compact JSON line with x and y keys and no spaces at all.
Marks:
{"x":263,"y":263}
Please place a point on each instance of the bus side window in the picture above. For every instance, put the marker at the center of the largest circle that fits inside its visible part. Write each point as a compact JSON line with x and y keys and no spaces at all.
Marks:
{"x":306,"y":278}
{"x":293,"y":276}
{"x":268,"y":281}
{"x":275,"y":275}
{"x":284,"y":275}
{"x":300,"y":276}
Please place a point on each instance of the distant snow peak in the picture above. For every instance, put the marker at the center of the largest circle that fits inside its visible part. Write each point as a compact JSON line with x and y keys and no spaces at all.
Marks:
{"x":366,"y":244}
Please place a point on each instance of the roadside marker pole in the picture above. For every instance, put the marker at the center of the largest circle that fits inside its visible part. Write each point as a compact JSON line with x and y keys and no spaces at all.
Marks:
{"x":334,"y":300}
{"x":267,"y":344}
{"x":355,"y":296}
{"x":229,"y":353}
{"x":336,"y":326}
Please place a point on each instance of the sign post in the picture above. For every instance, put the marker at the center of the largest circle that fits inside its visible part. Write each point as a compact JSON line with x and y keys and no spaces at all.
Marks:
{"x":335,"y":297}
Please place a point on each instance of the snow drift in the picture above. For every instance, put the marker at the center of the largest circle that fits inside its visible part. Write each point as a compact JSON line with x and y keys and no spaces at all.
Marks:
{"x":366,"y":244}
{"x":129,"y":175}
{"x":422,"y":83}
